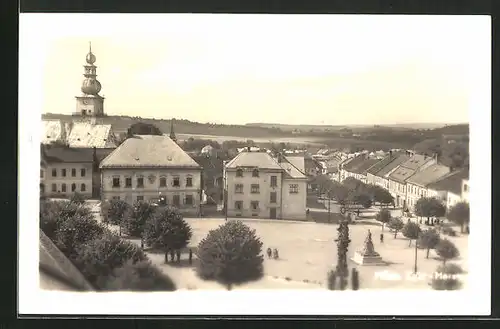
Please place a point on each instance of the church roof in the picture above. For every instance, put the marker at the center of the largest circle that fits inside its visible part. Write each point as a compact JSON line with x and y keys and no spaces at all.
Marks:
{"x":149,"y":151}
{"x":85,"y":134}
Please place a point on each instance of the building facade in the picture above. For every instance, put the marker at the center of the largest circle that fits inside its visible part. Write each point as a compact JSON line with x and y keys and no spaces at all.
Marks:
{"x":418,"y":183}
{"x":145,"y":168}
{"x":261,"y":186}
{"x":64,"y":171}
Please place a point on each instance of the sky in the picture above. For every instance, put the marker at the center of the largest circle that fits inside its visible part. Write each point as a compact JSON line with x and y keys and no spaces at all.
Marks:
{"x":290,"y":69}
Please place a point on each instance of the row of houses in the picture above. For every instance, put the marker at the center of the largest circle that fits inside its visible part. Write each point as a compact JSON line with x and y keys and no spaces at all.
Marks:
{"x":146,"y":168}
{"x":409,"y":176}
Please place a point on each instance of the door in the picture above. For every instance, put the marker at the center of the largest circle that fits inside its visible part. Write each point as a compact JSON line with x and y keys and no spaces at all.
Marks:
{"x":273,"y":213}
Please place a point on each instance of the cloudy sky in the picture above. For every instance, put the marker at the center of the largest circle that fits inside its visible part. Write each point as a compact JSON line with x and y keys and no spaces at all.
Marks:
{"x":310,"y":69}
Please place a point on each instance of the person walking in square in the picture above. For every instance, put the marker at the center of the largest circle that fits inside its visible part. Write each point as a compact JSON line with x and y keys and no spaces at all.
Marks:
{"x":178,"y":252}
{"x":190,"y":256}
{"x":381,"y":237}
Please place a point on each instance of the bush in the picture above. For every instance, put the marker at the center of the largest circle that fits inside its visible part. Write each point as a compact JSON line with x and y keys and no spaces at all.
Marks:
{"x":77,"y":198}
{"x":139,"y":276}
{"x":100,"y":257}
{"x":230,"y":254}
{"x":383,"y":216}
{"x":447,"y":277}
{"x":447,"y":250}
{"x":354,"y":279}
{"x":166,"y":229}
{"x":331,"y":280}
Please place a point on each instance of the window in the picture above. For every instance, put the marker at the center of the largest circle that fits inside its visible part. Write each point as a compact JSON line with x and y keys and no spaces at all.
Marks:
{"x":255,"y":205}
{"x":116,"y":181}
{"x":73,"y":187}
{"x":73,"y":172}
{"x":189,"y":181}
{"x":54,"y":173}
{"x":163,"y":181}
{"x":54,"y":187}
{"x":176,"y":200}
{"x":63,"y":187}
{"x":128,"y":181}
{"x":140,"y":198}
{"x":274,"y":181}
{"x":176,"y":182}
{"x":116,"y":198}
{"x":273,"y":197}
{"x":255,"y":173}
{"x":255,"y":188}
{"x":239,"y":173}
{"x":63,"y":172}
{"x":83,"y":188}
{"x":189,"y":199}
{"x":294,"y":188}
{"x":238,"y":205}
{"x":140,"y":181}
{"x":238,"y":188}
{"x":41,"y":173}
{"x":82,"y":172}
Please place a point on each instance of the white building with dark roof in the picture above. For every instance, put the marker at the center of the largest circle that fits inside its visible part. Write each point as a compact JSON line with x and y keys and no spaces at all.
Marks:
{"x":261,"y":186}
{"x":146,"y":167}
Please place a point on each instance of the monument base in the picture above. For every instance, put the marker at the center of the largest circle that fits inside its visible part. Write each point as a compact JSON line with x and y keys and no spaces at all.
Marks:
{"x":361,"y":259}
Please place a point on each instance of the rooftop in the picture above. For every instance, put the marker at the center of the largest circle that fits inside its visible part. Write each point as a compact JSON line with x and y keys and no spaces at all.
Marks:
{"x":53,"y":153}
{"x":57,"y":270}
{"x":451,"y":182}
{"x":360,"y":164}
{"x":298,"y":162}
{"x":399,"y":159}
{"x":416,"y":161}
{"x":85,"y":134}
{"x":148,"y":151}
{"x":253,"y":159}
{"x":429,"y":175}
{"x":382,"y":163}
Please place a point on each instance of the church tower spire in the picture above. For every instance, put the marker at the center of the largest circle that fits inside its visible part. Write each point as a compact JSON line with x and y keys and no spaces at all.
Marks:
{"x":90,"y":102}
{"x":172,"y":133}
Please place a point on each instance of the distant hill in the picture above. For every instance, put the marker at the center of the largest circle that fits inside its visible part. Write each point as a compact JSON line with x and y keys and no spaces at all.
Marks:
{"x":403,"y":126}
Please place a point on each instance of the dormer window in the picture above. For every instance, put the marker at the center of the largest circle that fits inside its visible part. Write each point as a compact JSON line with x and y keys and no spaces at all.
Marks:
{"x":239,"y":173}
{"x":255,"y":173}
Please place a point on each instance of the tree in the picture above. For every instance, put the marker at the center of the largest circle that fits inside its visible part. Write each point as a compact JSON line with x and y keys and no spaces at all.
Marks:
{"x":77,"y":198}
{"x":53,"y":213}
{"x":459,"y":214}
{"x":381,"y":195}
{"x":384,"y":217}
{"x":429,"y":239}
{"x":447,"y":277}
{"x":354,"y":279}
{"x":115,"y":212}
{"x":141,"y":212}
{"x":363,"y":199}
{"x":447,"y":250}
{"x":76,"y":231}
{"x":142,"y":128}
{"x":342,"y":247}
{"x":230,"y":254}
{"x":166,"y":229}
{"x":138,"y":276}
{"x":411,"y":230}
{"x":429,"y":207}
{"x":396,"y":225}
{"x":98,"y":258}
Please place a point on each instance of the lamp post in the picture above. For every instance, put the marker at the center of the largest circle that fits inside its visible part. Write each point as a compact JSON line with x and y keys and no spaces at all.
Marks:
{"x":416,"y":249}
{"x":329,"y":202}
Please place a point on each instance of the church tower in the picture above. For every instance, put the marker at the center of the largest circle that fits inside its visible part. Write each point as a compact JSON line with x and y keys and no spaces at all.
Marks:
{"x":90,"y":103}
